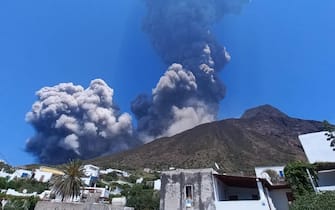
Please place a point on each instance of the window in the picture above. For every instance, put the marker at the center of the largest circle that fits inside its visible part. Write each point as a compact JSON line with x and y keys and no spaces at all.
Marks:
{"x":233,"y":198}
{"x":189,"y":195}
{"x":230,"y":188}
{"x":255,"y":197}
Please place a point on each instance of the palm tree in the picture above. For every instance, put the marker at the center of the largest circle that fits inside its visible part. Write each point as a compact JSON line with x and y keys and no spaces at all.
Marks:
{"x":69,"y":184}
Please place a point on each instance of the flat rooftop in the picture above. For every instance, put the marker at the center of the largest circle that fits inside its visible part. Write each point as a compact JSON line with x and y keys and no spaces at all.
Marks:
{"x":317,"y":148}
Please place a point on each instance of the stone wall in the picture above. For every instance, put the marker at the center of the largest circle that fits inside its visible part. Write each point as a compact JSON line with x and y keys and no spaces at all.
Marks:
{"x":47,"y":205}
{"x":173,"y":189}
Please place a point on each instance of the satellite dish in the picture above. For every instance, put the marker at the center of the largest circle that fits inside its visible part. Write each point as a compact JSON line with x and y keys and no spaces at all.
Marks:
{"x":216,"y":166}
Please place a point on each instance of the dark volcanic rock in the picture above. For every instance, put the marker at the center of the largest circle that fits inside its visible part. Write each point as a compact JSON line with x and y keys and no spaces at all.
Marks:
{"x":263,"y":111}
{"x":262,"y":136}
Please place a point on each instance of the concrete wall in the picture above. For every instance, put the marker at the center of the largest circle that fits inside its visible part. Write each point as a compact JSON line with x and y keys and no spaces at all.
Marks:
{"x":173,"y":195}
{"x":47,"y":205}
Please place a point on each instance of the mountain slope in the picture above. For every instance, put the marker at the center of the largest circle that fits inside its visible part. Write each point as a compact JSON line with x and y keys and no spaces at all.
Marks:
{"x":262,"y":136}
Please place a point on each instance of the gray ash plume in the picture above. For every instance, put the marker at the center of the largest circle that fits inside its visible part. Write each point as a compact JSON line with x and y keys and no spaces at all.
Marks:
{"x":73,"y":122}
{"x":190,"y":91}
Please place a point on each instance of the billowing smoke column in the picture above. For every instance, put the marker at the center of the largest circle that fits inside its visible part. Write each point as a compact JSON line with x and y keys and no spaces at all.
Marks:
{"x":73,"y":122}
{"x":190,"y":91}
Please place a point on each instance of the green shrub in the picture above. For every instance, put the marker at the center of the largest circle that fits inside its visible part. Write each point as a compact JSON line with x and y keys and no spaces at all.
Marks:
{"x":20,"y":203}
{"x":141,"y":198}
{"x":28,"y":184}
{"x":296,"y":175}
{"x":313,"y":201}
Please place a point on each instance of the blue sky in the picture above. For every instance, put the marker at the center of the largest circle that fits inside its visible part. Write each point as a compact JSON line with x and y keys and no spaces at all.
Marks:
{"x":282,"y":54}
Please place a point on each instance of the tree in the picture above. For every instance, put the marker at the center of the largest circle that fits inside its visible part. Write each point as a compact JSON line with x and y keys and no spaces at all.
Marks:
{"x":69,"y":184}
{"x":330,"y":133}
{"x":296,"y":175}
{"x":141,"y":197}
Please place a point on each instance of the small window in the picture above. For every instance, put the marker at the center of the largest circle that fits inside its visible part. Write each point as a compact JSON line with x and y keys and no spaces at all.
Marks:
{"x":189,"y":195}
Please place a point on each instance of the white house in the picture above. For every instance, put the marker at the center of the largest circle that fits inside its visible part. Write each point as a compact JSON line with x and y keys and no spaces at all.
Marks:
{"x":42,"y":176}
{"x":117,"y":171}
{"x":318,"y":150}
{"x":91,"y":170}
{"x":103,"y":192}
{"x":205,"y":189}
{"x":89,"y":181}
{"x":21,"y":173}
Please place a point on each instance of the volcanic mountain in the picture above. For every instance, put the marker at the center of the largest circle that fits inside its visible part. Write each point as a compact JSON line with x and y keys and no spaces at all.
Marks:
{"x":262,"y":136}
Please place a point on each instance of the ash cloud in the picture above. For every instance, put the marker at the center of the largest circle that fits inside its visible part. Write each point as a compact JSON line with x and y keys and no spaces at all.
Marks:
{"x":173,"y":107}
{"x":190,"y":91}
{"x":73,"y":122}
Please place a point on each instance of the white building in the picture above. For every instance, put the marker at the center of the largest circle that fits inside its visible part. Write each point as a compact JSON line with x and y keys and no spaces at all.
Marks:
{"x":21,"y":173}
{"x":91,"y":170}
{"x":117,"y":171}
{"x":89,"y":181}
{"x":318,"y":150}
{"x":139,"y":180}
{"x":205,"y":189}
{"x":42,"y":176}
{"x":103,"y":192}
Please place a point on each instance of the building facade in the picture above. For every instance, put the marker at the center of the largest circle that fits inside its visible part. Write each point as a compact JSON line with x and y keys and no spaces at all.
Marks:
{"x":205,"y":189}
